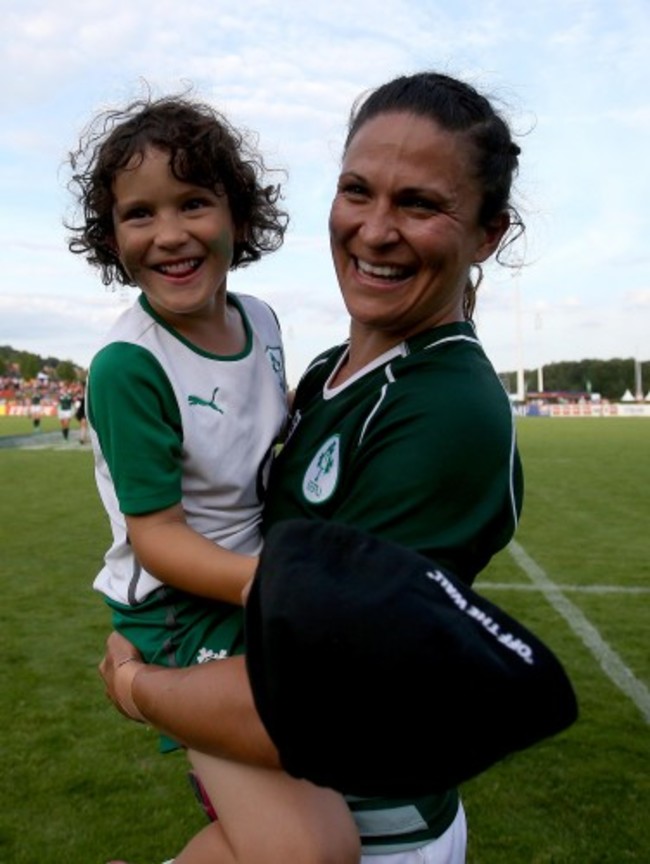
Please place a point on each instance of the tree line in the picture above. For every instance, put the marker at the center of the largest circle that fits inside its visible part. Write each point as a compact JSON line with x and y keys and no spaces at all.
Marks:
{"x":609,"y":378}
{"x":28,"y":366}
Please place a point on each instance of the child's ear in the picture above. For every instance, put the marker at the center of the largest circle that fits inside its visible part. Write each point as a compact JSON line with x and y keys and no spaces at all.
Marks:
{"x":110,"y":245}
{"x":240,"y":238}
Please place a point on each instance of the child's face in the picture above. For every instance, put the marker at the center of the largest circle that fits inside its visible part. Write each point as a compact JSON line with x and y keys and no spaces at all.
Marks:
{"x":173,"y":238}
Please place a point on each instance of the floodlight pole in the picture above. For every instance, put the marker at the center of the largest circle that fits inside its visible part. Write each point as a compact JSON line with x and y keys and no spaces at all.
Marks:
{"x":521,"y":387}
{"x":540,"y":367}
{"x":638,"y":383}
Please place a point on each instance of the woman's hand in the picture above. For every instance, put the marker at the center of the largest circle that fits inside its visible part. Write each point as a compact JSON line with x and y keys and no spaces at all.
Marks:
{"x":121,"y":663}
{"x":246,"y":590}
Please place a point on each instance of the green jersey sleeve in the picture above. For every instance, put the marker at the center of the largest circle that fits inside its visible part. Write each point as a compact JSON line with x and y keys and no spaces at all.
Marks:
{"x":134,"y":412}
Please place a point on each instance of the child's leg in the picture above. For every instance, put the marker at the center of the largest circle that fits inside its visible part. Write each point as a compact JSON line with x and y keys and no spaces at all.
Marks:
{"x":209,"y":846}
{"x":267,"y":817}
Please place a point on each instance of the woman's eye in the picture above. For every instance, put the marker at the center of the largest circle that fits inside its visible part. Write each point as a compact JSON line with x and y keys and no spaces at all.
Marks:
{"x":353,"y":189}
{"x":418,"y":203}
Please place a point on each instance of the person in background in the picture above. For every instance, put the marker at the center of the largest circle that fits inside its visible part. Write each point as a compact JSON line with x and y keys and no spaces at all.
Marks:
{"x":186,"y":400}
{"x":64,"y":411}
{"x":404,"y":430}
{"x":80,"y":415}
{"x":35,"y":410}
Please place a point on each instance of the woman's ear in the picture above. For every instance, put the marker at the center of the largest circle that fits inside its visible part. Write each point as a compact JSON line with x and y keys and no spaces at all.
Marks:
{"x":492,"y":236}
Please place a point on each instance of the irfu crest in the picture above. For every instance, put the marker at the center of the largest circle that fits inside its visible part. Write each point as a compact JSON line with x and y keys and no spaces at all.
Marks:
{"x":322,"y":475}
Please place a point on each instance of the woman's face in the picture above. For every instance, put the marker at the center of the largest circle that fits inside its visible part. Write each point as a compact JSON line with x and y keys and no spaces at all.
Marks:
{"x":404,"y":225}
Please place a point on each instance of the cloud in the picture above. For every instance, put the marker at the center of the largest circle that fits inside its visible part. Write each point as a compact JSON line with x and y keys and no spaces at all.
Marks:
{"x":638,"y":299}
{"x":573,"y":77}
{"x":55,"y":325}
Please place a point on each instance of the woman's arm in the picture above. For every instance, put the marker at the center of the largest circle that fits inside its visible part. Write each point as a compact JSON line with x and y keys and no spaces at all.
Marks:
{"x":208,"y":707}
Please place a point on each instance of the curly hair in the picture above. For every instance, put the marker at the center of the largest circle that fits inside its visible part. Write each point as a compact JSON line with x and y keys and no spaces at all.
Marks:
{"x":204,"y":149}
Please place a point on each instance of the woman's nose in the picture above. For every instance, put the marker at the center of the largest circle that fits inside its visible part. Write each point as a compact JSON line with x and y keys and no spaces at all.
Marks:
{"x":379,"y":226}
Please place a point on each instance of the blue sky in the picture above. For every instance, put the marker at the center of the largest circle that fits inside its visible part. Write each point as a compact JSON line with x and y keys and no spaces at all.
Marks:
{"x":573,"y":77}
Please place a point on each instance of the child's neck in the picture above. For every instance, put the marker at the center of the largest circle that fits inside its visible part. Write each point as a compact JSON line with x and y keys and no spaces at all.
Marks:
{"x":222,"y":333}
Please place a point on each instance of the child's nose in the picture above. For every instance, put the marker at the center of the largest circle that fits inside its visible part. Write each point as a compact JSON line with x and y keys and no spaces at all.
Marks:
{"x":170,"y":230}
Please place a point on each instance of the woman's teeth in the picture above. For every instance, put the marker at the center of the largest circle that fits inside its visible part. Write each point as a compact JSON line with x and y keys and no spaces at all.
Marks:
{"x":381,"y":271}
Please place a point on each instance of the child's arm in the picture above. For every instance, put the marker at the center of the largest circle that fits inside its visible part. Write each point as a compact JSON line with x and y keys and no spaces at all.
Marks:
{"x":177,"y":555}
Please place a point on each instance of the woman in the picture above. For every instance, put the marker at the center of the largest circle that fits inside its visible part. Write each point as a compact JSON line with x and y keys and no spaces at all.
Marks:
{"x":403,"y":431}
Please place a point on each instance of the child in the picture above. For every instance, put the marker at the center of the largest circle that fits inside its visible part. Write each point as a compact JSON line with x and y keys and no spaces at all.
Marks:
{"x":185,"y":402}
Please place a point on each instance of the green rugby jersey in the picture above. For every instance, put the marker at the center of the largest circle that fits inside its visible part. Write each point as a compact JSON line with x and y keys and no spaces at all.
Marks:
{"x":66,"y":401}
{"x":418,"y":448}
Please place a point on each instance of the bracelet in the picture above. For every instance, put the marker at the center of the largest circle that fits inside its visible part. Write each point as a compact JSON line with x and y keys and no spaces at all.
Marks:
{"x":127,"y":660}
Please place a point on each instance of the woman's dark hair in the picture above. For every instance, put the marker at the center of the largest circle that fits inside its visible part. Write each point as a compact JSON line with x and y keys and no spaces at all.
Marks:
{"x":204,"y":150}
{"x":456,"y":107}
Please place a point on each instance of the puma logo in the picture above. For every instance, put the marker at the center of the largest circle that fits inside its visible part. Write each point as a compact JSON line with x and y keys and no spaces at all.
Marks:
{"x":198,"y":400}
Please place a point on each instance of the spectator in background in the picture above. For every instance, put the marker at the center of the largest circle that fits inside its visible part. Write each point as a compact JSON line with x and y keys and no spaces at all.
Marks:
{"x":80,"y":415}
{"x":64,"y":411}
{"x":36,"y":410}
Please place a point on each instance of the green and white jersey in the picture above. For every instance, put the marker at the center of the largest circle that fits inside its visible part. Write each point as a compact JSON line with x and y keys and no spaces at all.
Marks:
{"x":418,"y":448}
{"x":66,"y":402}
{"x":172,"y":423}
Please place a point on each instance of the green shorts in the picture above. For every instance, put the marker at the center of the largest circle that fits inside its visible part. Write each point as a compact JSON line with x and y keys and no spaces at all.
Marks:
{"x":175,"y":629}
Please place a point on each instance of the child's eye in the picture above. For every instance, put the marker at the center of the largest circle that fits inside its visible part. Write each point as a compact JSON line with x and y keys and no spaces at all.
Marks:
{"x":135,"y":213}
{"x":196,"y":203}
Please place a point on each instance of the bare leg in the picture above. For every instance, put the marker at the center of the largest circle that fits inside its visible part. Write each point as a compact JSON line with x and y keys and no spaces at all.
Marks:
{"x":267,"y":817}
{"x":209,"y":846}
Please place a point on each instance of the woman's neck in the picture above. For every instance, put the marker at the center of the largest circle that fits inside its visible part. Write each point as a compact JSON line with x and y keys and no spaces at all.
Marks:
{"x":360,"y":354}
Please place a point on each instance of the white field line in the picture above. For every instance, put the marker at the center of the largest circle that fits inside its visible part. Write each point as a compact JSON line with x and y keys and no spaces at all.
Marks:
{"x":608,"y":659}
{"x":566,"y":589}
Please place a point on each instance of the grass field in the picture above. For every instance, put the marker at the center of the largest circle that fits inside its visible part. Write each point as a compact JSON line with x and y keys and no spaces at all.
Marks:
{"x":23,"y":425}
{"x":81,"y":785}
